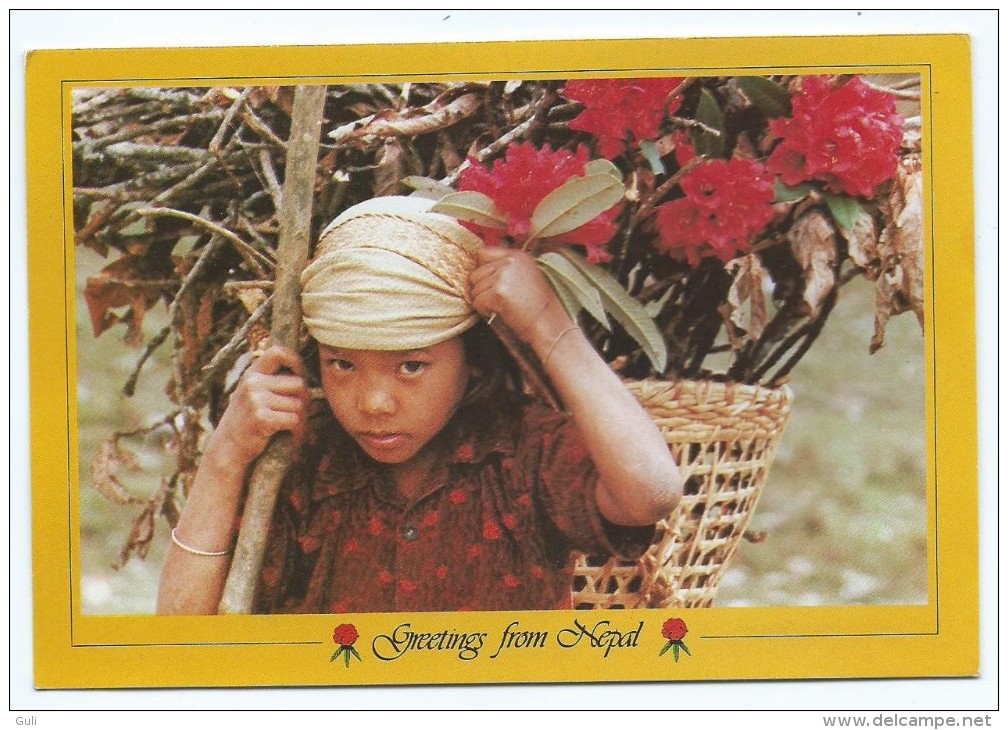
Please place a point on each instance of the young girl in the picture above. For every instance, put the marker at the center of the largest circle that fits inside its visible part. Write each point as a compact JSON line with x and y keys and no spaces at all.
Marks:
{"x":430,"y":483}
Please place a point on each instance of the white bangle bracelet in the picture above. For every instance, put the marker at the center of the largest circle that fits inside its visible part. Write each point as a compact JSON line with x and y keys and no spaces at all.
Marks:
{"x":557,"y":342}
{"x":196,"y":551}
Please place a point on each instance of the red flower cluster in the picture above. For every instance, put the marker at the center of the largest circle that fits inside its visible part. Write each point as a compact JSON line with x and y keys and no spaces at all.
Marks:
{"x":848,"y":137}
{"x":345,"y":635}
{"x":727,"y":203}
{"x":518,"y":182}
{"x":674,"y":629}
{"x":622,"y":111}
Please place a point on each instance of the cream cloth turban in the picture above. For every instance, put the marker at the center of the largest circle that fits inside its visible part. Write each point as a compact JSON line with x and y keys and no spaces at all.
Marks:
{"x":390,"y":275}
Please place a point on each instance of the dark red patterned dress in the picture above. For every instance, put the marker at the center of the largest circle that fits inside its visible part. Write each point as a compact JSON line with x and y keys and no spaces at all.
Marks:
{"x":514,"y":495}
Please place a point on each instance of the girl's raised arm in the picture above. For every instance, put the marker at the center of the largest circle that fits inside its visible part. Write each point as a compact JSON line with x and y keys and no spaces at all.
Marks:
{"x":265,"y":402}
{"x":639,"y":480}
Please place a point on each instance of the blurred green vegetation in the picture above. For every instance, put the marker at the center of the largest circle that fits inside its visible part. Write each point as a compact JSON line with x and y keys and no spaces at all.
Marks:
{"x":844,"y":507}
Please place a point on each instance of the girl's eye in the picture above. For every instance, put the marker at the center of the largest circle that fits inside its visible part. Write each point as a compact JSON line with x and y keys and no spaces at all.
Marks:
{"x":412,"y":367}
{"x":340,"y":365}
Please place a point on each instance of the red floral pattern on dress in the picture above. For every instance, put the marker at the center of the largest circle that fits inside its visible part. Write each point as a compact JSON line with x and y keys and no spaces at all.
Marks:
{"x":518,"y":183}
{"x":540,"y":506}
{"x":490,"y":530}
{"x":308,"y":544}
{"x":847,"y":136}
{"x":622,"y":112}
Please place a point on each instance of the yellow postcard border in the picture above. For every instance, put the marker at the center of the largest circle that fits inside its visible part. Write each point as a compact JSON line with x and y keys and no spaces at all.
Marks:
{"x":940,"y":638}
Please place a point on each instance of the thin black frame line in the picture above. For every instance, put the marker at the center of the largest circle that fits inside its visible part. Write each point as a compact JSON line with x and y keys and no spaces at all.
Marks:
{"x":924,"y":65}
{"x":198,"y":643}
{"x":820,"y":636}
{"x":504,"y":74}
{"x":934,"y":347}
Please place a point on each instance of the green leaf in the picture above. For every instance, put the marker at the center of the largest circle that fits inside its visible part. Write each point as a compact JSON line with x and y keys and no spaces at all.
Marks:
{"x":626,"y":310}
{"x":575,"y":203}
{"x":473,"y":207}
{"x":355,"y":653}
{"x":843,"y":208}
{"x":675,"y":650}
{"x":668,"y":645}
{"x":567,"y":298}
{"x":346,"y":657}
{"x":603,"y":166}
{"x":766,"y":95}
{"x":336,"y":654}
{"x":428,"y":187}
{"x":582,"y":288}
{"x":650,"y":151}
{"x":785,"y":194}
{"x":709,"y":114}
{"x":683,"y":645}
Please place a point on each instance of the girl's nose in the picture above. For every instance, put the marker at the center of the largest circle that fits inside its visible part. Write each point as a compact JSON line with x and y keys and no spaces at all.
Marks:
{"x":376,"y":398}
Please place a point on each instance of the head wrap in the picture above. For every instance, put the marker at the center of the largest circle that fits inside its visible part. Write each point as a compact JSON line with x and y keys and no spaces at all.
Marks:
{"x":390,"y":275}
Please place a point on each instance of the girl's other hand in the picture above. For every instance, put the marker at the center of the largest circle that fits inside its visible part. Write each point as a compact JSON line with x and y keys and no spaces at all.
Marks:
{"x":270,"y":398}
{"x":509,"y":283}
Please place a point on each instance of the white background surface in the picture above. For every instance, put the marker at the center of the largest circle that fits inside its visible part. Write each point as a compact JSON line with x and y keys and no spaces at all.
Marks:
{"x":79,"y":29}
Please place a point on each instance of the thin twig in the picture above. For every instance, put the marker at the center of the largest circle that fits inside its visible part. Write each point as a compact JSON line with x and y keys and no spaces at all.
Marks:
{"x":270,"y":178}
{"x":250,"y":254}
{"x":226,"y":356}
{"x":235,"y":107}
{"x":130,"y":388}
{"x":502,"y":142}
{"x":260,"y":127}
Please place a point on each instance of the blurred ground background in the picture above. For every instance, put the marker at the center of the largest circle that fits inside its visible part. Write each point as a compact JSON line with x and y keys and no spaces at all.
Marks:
{"x":844,"y":507}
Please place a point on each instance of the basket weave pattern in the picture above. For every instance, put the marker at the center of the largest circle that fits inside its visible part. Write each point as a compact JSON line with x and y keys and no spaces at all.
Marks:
{"x":723,"y":436}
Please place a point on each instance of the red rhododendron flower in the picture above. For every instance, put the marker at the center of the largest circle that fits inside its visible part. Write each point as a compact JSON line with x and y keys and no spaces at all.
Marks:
{"x":848,"y":138}
{"x":344,"y":637}
{"x":674,"y":629}
{"x":726,"y":204}
{"x":619,"y":112}
{"x":345,"y":634}
{"x":518,"y":183}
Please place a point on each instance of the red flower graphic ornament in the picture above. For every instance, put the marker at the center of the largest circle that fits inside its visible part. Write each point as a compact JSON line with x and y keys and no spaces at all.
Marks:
{"x":674,"y":630}
{"x":344,"y":636}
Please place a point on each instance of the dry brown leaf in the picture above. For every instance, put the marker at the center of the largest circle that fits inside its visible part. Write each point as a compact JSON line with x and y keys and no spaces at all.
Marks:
{"x":862,"y":243}
{"x":814,"y":245}
{"x":107,"y":462}
{"x":204,"y":315}
{"x":142,"y":531}
{"x":411,"y":122}
{"x":747,"y":286}
{"x":390,"y":168}
{"x":127,"y":281}
{"x":900,"y":285}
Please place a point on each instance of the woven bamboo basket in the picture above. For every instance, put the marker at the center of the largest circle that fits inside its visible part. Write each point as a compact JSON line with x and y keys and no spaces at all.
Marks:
{"x":723,"y":436}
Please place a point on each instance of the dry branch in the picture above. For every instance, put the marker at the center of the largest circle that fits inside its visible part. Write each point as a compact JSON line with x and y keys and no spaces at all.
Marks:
{"x":292,"y":252}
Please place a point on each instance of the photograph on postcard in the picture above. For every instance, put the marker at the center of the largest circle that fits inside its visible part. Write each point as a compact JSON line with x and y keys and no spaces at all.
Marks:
{"x":398,"y":369}
{"x":718,"y":225}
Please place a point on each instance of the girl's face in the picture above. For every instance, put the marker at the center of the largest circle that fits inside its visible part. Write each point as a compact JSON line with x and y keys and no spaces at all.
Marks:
{"x":393,"y":403}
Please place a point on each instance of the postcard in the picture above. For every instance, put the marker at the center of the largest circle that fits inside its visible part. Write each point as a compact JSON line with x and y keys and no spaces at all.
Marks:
{"x":523,"y":362}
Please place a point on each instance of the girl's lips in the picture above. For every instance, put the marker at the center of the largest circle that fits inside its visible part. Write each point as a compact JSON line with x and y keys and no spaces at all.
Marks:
{"x":382,"y":440}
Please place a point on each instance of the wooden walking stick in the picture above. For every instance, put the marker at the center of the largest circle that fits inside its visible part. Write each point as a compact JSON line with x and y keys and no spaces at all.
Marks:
{"x":292,"y":253}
